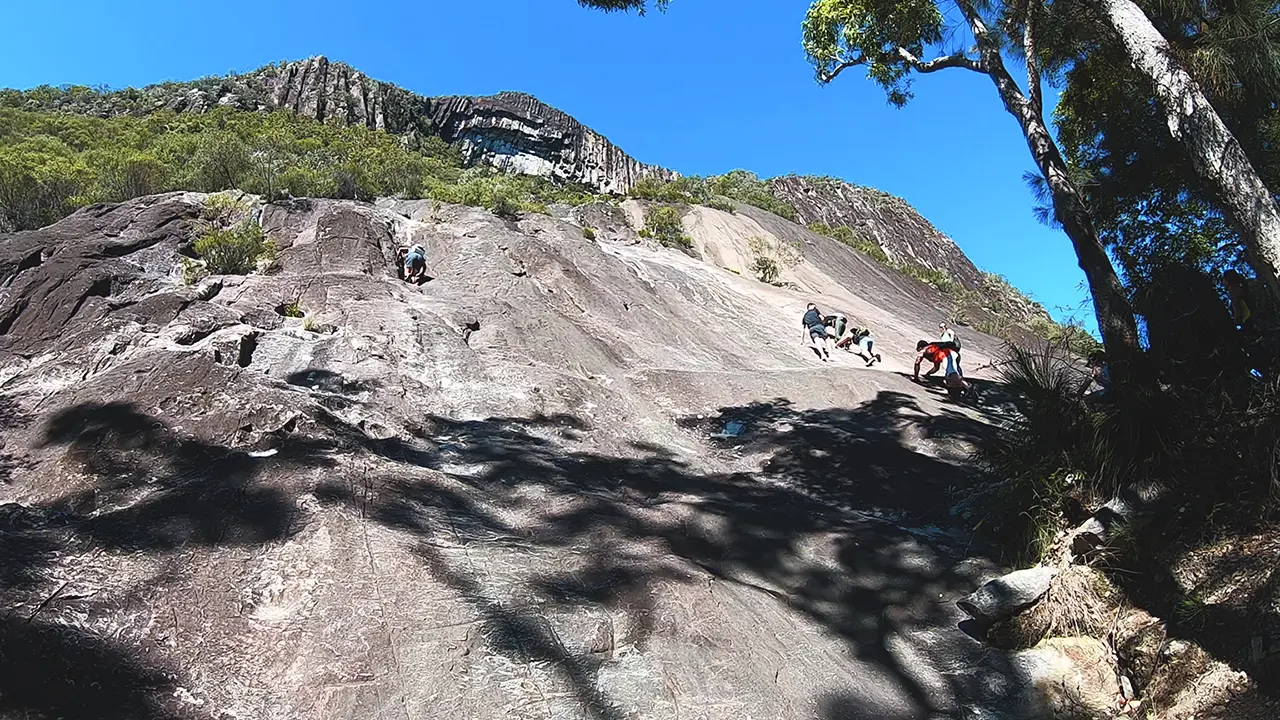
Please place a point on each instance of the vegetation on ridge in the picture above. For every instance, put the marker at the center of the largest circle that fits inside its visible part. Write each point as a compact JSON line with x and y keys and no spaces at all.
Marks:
{"x":53,"y":163}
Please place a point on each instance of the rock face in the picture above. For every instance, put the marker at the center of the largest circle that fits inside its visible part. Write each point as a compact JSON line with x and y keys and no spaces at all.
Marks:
{"x":496,"y":495}
{"x":905,"y":235}
{"x":519,"y":133}
{"x":512,"y":131}
{"x":885,"y":219}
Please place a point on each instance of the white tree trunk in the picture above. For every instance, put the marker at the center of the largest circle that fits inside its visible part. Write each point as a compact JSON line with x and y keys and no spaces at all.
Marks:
{"x":1215,"y":153}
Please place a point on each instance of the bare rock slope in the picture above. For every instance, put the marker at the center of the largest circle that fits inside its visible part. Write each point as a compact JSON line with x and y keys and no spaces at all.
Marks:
{"x":567,"y":478}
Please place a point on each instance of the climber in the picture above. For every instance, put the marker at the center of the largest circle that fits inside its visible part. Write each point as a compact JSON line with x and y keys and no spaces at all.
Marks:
{"x":414,"y":260}
{"x":815,"y":332}
{"x":860,"y":338}
{"x":947,"y":339}
{"x":935,"y":355}
{"x":835,"y":323}
{"x":1099,"y":374}
{"x":938,"y":353}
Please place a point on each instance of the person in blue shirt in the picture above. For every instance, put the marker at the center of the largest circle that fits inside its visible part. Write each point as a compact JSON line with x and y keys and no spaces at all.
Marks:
{"x":815,"y":332}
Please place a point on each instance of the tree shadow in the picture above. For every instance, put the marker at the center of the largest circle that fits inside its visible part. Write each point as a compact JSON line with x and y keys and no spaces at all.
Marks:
{"x":55,"y":671}
{"x":876,"y":582}
{"x":155,"y":491}
{"x":844,"y":525}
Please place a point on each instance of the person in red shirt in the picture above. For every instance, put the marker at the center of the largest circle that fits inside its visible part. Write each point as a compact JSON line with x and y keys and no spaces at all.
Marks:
{"x":939,"y":353}
{"x":931,"y":352}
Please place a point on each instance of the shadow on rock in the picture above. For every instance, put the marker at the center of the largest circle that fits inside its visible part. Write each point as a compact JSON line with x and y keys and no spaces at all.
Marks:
{"x":195,"y":492}
{"x":796,"y":532}
{"x":56,"y":671}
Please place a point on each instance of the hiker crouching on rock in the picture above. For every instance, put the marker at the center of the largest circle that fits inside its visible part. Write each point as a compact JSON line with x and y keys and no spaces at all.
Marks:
{"x":939,"y":353}
{"x":815,"y":332}
{"x":413,"y":260}
{"x":858,"y":341}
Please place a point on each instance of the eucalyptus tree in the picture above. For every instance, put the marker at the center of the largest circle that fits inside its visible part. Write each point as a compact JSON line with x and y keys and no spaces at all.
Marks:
{"x":890,"y":39}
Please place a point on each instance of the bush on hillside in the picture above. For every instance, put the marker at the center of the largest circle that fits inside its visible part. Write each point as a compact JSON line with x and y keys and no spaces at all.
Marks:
{"x":234,"y":251}
{"x":716,"y":192}
{"x":663,"y":223}
{"x":853,"y":239}
{"x":52,"y":163}
{"x":746,"y":188}
{"x":771,"y":257}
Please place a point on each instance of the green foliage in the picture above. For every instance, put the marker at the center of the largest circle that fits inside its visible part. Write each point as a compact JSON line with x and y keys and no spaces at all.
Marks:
{"x":719,"y":203}
{"x":310,"y":324}
{"x":939,"y":279}
{"x":746,"y":188}
{"x":853,"y":239}
{"x":52,"y":163}
{"x":716,"y":192}
{"x":838,"y":33}
{"x":1052,"y":450}
{"x":503,"y":206}
{"x":771,"y":257}
{"x":691,"y":190}
{"x":1072,"y":335}
{"x":663,"y":223}
{"x":192,"y":271}
{"x":588,"y":232}
{"x":1147,"y":201}
{"x":234,"y":251}
{"x":292,"y":310}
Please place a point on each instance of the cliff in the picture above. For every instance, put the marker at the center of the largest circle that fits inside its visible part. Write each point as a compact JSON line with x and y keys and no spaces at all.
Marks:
{"x":568,"y":477}
{"x":512,"y":131}
{"x":906,"y":237}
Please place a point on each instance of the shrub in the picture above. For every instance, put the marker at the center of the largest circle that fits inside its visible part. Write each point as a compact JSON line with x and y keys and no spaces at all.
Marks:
{"x":310,"y":325}
{"x":503,"y":206}
{"x":772,"y":257}
{"x":662,"y":223}
{"x":221,"y":208}
{"x":690,"y":190}
{"x":1052,"y":450}
{"x":588,"y":233}
{"x":853,"y":239}
{"x":292,"y":310}
{"x":765,"y":268}
{"x":192,"y":270}
{"x":939,"y":279}
{"x":234,"y":251}
{"x":746,"y":188}
{"x":722,"y":204}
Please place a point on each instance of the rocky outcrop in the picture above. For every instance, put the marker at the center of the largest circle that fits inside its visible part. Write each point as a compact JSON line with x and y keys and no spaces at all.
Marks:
{"x":1009,"y":594}
{"x":887,"y":220}
{"x":906,"y":237}
{"x":512,"y":131}
{"x":519,"y":133}
{"x":505,"y":493}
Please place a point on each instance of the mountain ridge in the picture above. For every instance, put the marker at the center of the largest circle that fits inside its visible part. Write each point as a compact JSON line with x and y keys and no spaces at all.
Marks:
{"x":518,"y":133}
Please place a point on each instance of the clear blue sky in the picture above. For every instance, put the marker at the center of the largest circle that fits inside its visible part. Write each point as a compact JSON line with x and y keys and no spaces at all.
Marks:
{"x":710,"y":86}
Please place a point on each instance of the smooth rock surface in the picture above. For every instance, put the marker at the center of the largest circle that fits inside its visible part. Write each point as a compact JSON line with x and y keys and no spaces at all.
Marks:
{"x":495,"y":495}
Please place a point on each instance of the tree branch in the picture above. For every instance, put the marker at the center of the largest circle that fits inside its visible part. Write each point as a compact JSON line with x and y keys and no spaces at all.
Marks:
{"x":957,"y":60}
{"x":826,"y":77}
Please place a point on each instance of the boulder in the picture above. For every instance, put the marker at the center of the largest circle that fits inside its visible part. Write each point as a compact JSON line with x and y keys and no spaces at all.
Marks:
{"x":1071,"y":677}
{"x":1008,"y":594}
{"x":1139,"y":638}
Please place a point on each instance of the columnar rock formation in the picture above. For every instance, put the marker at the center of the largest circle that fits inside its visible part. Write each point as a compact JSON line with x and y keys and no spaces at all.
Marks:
{"x":519,"y":133}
